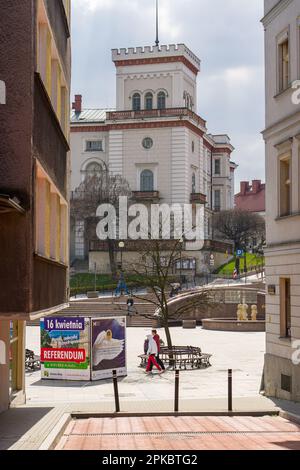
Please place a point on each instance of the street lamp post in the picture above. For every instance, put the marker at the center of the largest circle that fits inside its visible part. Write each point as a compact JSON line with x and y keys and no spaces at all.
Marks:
{"x":121,"y":247}
{"x":180,"y":272}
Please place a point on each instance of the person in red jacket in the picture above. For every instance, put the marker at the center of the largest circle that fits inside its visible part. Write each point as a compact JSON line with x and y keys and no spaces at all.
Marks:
{"x":158,"y":360}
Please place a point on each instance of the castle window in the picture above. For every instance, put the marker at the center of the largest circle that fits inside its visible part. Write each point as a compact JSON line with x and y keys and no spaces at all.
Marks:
{"x":193,"y":183}
{"x":136,"y":102}
{"x":161,"y":100}
{"x":147,"y":181}
{"x":149,"y":101}
{"x":217,"y":167}
{"x":284,"y":65}
{"x":94,"y":146}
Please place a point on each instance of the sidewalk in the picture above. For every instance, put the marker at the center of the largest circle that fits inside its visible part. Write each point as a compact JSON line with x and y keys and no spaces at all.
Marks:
{"x":32,"y":428}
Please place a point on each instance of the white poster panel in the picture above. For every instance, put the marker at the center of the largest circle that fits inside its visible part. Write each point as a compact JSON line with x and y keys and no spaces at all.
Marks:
{"x":108,"y":341}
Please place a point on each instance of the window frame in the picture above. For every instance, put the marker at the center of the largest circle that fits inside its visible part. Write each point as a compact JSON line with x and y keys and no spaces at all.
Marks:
{"x":217,"y":161}
{"x":217,"y":208}
{"x":281,"y":39}
{"x":161,"y":95}
{"x":143,"y":186}
{"x":93,"y":141}
{"x":285,"y":308}
{"x":136,"y":96}
{"x":148,"y":96}
{"x":287,"y":157}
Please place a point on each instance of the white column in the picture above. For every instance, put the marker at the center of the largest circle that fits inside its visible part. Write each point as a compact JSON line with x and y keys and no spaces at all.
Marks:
{"x":295,"y":175}
{"x":180,"y":182}
{"x":116,"y":152}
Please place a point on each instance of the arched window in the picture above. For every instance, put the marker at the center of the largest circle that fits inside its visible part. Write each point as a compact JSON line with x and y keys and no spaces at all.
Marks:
{"x":147,"y":181}
{"x":161,"y":100}
{"x":93,"y":169}
{"x":136,"y":102}
{"x":193,"y":183}
{"x":149,"y":101}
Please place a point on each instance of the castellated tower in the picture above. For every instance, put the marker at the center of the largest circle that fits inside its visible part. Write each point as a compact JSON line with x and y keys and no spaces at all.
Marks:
{"x":170,"y":69}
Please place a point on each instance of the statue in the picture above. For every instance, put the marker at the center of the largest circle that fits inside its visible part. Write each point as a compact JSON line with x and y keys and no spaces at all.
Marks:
{"x":240,"y":312}
{"x":254,"y":312}
{"x":245,"y":312}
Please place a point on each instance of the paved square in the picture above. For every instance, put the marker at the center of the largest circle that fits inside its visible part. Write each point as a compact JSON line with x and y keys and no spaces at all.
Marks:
{"x":243,"y":352}
{"x":181,"y":433}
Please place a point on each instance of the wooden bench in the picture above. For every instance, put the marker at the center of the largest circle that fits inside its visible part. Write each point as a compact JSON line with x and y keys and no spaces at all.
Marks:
{"x":144,"y":360}
{"x":181,"y":357}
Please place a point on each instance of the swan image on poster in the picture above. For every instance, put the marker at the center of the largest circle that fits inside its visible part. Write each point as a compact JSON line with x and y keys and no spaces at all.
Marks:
{"x":106,"y":348}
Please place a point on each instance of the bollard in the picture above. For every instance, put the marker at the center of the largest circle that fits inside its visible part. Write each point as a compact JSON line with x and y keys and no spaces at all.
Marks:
{"x":176,"y":407}
{"x":116,"y":391}
{"x":229,"y":390}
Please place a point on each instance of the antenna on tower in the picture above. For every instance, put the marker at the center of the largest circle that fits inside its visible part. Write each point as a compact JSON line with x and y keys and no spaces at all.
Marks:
{"x":157,"y":39}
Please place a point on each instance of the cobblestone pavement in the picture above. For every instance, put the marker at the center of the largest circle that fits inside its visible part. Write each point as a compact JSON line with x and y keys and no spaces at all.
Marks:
{"x":181,"y":433}
{"x":242,"y":352}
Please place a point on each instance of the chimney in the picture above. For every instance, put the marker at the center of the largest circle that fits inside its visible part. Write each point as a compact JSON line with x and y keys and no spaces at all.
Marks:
{"x":256,"y":185}
{"x":77,"y":105}
{"x":244,"y":187}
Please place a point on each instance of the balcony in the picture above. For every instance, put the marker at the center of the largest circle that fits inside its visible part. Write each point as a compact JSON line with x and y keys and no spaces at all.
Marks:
{"x":198,"y":198}
{"x":151,"y":196}
{"x":51,"y":146}
{"x":156,"y":113}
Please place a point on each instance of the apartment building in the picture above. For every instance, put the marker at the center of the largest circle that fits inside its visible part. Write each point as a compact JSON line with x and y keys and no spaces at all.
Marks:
{"x":282,"y":137}
{"x":35,"y":68}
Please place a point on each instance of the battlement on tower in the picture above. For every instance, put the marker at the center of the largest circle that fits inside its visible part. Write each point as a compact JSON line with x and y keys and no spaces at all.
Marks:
{"x":156,"y":52}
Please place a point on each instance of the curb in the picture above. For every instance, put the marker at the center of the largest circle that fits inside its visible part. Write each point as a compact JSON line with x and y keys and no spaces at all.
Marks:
{"x":57,"y":432}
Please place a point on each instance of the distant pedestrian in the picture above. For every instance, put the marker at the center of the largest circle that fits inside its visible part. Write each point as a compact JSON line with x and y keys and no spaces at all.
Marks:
{"x":156,"y":338}
{"x":152,"y":353}
{"x":130,"y":307}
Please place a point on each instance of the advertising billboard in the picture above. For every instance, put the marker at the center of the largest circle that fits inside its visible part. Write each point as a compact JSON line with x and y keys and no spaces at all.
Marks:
{"x":108,"y":338}
{"x":65,"y":348}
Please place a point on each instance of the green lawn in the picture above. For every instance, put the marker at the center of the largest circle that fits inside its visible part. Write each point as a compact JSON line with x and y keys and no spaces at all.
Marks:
{"x":252,"y":262}
{"x":84,"y":282}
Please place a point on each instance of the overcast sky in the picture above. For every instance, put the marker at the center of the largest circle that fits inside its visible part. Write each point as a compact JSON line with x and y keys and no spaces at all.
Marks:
{"x":225,"y":34}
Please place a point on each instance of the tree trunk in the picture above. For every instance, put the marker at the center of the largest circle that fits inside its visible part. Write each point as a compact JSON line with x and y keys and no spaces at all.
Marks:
{"x":165,"y":318}
{"x":112,"y":258}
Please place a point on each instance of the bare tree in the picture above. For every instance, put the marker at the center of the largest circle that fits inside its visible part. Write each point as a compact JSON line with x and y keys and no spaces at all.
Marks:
{"x":157,"y":263}
{"x":99,"y":187}
{"x":239,"y":227}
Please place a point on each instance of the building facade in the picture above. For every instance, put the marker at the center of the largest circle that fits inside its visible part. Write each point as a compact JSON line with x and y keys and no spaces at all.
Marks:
{"x":156,"y":140}
{"x":282,"y":137}
{"x":35,"y":65}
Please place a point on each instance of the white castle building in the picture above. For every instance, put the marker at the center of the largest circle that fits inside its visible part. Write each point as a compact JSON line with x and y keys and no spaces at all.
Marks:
{"x":157,"y":141}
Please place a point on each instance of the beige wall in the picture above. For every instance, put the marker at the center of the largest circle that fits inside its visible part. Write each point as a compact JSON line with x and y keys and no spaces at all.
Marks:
{"x":283,"y":233}
{"x":80,"y":158}
{"x":175,"y":78}
{"x":287,"y":20}
{"x":4,"y":368}
{"x":129,"y":258}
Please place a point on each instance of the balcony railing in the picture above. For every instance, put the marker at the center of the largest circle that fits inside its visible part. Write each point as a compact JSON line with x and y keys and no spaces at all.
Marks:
{"x":156,"y":113}
{"x":198,"y":198}
{"x":145,"y":195}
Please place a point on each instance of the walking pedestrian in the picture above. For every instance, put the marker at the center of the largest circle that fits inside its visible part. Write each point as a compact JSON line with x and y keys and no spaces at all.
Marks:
{"x":152,"y":353}
{"x":156,"y":338}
